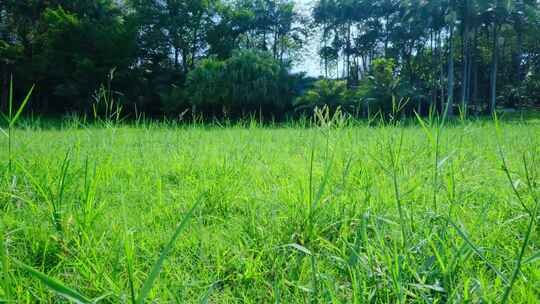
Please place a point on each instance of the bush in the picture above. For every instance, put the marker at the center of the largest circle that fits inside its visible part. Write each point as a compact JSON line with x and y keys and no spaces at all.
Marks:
{"x":325,"y":92}
{"x":248,"y":82}
{"x":532,"y":87}
{"x":205,"y":86}
{"x":382,"y":91}
{"x":375,"y":93}
{"x":173,"y":100}
{"x":257,"y":81}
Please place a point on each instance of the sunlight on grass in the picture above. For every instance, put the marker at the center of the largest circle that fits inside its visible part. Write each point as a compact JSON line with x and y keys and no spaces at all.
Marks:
{"x":336,"y":212}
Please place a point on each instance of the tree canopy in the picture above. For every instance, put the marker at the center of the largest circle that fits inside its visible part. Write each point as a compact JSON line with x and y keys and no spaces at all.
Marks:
{"x":237,"y":56}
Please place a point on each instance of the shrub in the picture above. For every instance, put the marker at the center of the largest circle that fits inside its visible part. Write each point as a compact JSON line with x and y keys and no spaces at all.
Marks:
{"x":205,"y":86}
{"x":254,"y":81}
{"x":325,"y":92}
{"x":250,"y":81}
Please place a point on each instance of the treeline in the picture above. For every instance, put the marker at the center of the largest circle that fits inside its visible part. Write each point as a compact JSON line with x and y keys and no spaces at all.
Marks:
{"x":470,"y":55}
{"x":232,"y":58}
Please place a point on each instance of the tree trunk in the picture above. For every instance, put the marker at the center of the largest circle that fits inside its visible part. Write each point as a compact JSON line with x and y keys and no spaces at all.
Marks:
{"x":194,"y":50}
{"x":450,"y":100}
{"x":325,"y":55}
{"x":348,"y":54}
{"x":465,"y":78}
{"x":337,"y":68}
{"x":441,"y":73}
{"x":518,"y":57}
{"x":433,"y":90}
{"x":275,"y":46}
{"x":365,"y":64}
{"x":387,"y":37}
{"x":494,"y":66}
{"x":176,"y":57}
{"x":470,"y":62}
{"x":472,"y":68}
{"x":326,"y":66}
{"x":185,"y":59}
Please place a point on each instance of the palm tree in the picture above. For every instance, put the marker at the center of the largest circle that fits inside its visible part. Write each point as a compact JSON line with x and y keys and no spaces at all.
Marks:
{"x":451,"y":24}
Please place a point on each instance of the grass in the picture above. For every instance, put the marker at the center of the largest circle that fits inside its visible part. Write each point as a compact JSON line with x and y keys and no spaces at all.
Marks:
{"x":334,"y":213}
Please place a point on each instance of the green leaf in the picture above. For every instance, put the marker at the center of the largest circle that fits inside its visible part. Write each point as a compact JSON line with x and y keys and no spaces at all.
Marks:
{"x":55,"y":285}
{"x":21,"y":108}
{"x":435,"y":288}
{"x":128,"y":251}
{"x":156,"y":269}
{"x":206,"y":297}
{"x":5,"y":117}
{"x":299,"y":248}
{"x":535,"y":257}
{"x":6,"y":284}
{"x":475,"y":249}
{"x":425,"y":129}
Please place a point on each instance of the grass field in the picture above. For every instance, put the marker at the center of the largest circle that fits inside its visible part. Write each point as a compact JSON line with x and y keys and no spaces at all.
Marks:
{"x":285,"y":214}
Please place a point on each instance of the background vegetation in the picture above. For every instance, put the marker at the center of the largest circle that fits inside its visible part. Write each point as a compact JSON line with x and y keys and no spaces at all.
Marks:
{"x":229,"y":58}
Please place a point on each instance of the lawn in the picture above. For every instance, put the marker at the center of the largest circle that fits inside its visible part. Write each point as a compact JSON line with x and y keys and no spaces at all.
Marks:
{"x":338,"y":213}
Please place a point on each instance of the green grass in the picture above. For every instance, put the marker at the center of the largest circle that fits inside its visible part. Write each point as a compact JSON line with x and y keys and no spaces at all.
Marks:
{"x":283,"y":214}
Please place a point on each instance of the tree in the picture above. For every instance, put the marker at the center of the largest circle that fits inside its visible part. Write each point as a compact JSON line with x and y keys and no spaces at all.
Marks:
{"x":477,"y":53}
{"x":498,"y":13}
{"x":267,"y":25}
{"x":74,"y":69}
{"x":47,"y":43}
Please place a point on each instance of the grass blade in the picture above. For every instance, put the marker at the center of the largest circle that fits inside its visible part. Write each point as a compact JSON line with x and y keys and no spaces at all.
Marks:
{"x":299,"y":248}
{"x":206,"y":297}
{"x":6,"y":284}
{"x":55,"y":285}
{"x":519,"y":262}
{"x":535,"y":257}
{"x":5,"y":117}
{"x":478,"y":253}
{"x":13,"y":119}
{"x":156,"y":269}
{"x":128,"y":251}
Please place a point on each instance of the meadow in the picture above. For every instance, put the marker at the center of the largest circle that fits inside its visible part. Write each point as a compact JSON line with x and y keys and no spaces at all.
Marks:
{"x":320,"y":211}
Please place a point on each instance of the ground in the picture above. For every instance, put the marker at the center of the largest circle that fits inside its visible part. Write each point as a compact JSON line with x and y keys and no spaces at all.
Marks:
{"x":404,"y":213}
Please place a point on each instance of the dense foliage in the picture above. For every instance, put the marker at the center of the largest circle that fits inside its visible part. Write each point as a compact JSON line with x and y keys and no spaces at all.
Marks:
{"x":221,"y":56}
{"x":247,"y":82}
{"x":472,"y":54}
